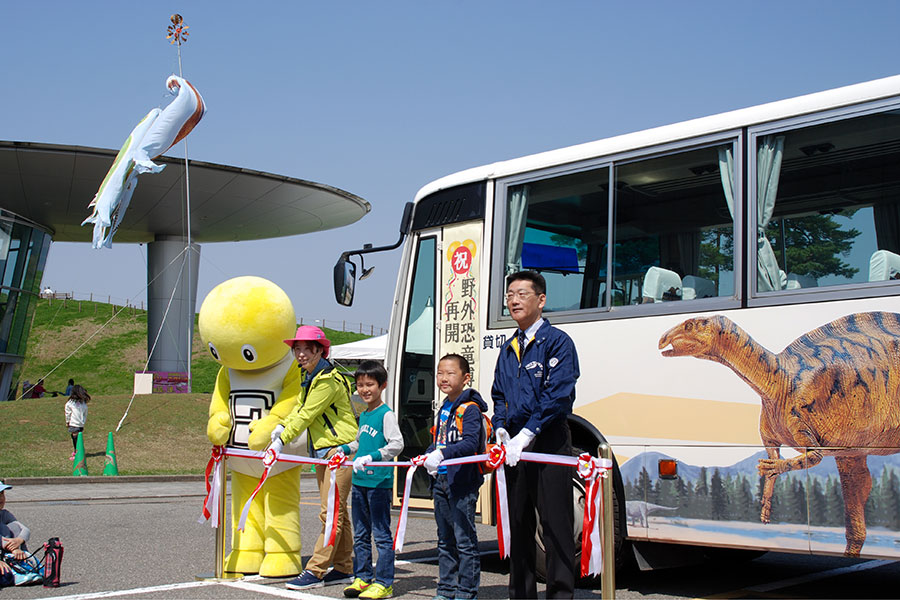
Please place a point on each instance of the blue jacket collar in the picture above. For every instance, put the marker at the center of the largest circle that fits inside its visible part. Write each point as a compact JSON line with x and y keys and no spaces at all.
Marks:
{"x":321,"y":366}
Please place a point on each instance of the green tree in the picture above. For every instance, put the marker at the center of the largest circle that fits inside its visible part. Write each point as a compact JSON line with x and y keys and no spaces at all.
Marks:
{"x":746,"y":509}
{"x":643,"y":485}
{"x":718,"y":498}
{"x":817,"y":503}
{"x":834,"y":503}
{"x":813,"y":245}
{"x":890,"y":500}
{"x":716,"y":253}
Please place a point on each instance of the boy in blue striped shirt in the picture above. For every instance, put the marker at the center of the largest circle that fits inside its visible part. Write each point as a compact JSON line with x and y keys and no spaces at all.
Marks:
{"x":378,"y":439}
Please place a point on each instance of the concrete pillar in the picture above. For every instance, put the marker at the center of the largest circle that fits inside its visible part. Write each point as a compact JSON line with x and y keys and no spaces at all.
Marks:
{"x":170,"y":324}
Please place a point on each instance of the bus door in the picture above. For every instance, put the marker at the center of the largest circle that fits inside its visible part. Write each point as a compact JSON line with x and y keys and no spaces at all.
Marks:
{"x":442,"y":317}
{"x":416,"y":386}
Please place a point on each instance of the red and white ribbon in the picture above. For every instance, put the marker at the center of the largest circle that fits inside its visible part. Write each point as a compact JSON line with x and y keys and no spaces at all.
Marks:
{"x":269,"y":460}
{"x":592,"y":470}
{"x":211,"y":503}
{"x":334,"y":498}
{"x":417,"y":462}
{"x":496,"y":458}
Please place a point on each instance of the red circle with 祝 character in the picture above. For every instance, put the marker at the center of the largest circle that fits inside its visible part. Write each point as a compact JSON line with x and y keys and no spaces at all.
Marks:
{"x":461,"y":261}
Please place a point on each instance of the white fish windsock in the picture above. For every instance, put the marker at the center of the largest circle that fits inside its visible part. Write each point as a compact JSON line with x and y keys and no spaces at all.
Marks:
{"x":115,"y":192}
{"x":156,"y":133}
{"x":174,"y":123}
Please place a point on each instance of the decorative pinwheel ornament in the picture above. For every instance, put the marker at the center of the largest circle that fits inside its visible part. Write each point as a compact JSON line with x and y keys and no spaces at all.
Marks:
{"x":178,"y":31}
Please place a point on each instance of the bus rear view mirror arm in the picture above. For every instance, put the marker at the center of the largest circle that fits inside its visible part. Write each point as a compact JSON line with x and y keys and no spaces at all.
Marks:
{"x":345,"y":269}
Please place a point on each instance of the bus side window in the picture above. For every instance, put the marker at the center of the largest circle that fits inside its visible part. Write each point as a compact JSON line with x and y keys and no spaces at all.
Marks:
{"x":827,"y":210}
{"x":674,"y":224}
{"x":559,"y":227}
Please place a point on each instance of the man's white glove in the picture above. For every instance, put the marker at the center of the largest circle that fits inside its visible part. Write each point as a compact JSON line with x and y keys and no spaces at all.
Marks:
{"x":277,"y":445}
{"x":516,"y":445}
{"x":360,"y":462}
{"x":502,"y":436}
{"x":276,"y":433}
{"x":432,"y":461}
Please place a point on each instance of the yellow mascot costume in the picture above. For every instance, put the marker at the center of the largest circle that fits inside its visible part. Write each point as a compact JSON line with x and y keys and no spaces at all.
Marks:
{"x":243,"y":322}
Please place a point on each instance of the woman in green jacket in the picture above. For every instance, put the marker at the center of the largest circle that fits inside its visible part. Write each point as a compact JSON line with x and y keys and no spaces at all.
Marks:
{"x":324,"y":411}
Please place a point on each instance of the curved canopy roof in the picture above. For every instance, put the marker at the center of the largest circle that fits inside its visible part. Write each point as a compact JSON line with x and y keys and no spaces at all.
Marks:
{"x":53,"y":184}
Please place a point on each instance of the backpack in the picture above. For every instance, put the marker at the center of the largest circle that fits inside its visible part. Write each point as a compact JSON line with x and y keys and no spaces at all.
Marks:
{"x":486,"y":426}
{"x":53,"y":554}
{"x":30,"y":570}
{"x":484,"y":442}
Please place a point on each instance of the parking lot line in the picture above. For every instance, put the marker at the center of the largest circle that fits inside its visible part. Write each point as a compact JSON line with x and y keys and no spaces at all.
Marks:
{"x":144,"y":590}
{"x":272,"y":591}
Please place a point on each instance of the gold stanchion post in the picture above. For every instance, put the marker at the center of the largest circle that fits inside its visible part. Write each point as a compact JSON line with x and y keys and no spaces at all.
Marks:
{"x":608,"y":576}
{"x":220,"y":574}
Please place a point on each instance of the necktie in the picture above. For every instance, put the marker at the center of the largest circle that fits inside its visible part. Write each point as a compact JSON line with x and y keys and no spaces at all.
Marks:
{"x":522,"y":343}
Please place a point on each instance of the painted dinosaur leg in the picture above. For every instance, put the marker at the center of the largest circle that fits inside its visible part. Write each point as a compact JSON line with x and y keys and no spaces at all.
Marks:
{"x":856,"y":483}
{"x":772,"y":467}
{"x":769,"y":486}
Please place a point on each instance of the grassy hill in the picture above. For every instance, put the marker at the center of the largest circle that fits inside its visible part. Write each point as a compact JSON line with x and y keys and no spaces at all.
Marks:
{"x":101,"y":346}
{"x":163,"y":433}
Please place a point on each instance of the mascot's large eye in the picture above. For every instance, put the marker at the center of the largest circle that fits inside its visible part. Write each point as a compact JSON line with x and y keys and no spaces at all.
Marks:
{"x":213,"y":351}
{"x":249,"y":353}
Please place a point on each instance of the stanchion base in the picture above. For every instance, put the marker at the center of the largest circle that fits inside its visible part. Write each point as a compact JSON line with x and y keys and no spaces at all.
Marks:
{"x":225,"y":577}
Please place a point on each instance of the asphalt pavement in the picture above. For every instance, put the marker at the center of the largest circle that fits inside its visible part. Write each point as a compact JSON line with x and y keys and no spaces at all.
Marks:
{"x":139,"y":537}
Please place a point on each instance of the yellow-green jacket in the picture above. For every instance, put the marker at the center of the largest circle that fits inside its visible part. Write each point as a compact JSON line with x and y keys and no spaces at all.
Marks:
{"x":323,"y":409}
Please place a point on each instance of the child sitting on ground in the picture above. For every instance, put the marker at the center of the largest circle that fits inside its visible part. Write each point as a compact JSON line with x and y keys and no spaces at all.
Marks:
{"x":13,"y":534}
{"x":455,"y":487}
{"x":378,"y":439}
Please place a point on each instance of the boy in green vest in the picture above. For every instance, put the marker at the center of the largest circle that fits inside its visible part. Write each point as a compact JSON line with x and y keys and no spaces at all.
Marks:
{"x":378,"y":439}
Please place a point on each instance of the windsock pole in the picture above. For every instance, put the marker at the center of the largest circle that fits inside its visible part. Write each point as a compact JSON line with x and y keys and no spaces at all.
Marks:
{"x":178,"y":34}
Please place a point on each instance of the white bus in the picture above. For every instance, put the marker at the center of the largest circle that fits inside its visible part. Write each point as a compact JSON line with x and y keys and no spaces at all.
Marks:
{"x":730,"y":284}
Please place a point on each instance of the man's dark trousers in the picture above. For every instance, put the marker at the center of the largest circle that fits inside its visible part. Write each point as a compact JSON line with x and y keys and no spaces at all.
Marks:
{"x":549,"y":488}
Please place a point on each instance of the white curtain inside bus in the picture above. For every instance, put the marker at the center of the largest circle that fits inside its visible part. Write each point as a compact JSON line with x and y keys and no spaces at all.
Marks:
{"x":517,"y":215}
{"x":768,"y":170}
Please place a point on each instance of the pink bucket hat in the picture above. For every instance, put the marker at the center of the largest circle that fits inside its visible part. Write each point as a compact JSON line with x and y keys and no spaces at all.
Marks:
{"x":310,"y":333}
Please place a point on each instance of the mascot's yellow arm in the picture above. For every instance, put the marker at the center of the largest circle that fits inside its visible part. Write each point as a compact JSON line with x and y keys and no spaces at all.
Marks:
{"x":219,"y":426}
{"x":261,"y":429}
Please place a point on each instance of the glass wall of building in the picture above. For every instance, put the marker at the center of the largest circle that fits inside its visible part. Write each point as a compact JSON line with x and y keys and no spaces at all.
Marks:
{"x":23,"y":254}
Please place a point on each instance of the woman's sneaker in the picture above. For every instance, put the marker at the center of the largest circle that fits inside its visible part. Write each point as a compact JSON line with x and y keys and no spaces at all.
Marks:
{"x":376,"y":590}
{"x":306,"y":580}
{"x":356,"y":588}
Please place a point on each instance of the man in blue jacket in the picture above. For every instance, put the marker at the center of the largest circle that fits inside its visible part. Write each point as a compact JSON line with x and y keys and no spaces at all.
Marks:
{"x":533,"y":394}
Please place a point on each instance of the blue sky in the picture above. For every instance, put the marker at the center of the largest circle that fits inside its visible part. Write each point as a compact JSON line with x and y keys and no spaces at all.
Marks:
{"x":379,"y":98}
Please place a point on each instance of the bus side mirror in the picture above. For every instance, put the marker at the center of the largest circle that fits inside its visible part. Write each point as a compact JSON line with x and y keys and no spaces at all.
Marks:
{"x":406,"y":219}
{"x":344,"y":281}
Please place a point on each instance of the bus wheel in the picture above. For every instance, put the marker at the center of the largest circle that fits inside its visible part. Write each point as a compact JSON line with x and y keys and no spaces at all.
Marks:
{"x":578,"y":492}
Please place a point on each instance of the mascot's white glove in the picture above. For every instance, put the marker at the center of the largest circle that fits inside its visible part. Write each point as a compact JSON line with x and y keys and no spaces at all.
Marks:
{"x":277,"y":445}
{"x":432,"y":461}
{"x":360,"y":462}
{"x":502,"y":436}
{"x":276,"y":433}
{"x":516,"y":445}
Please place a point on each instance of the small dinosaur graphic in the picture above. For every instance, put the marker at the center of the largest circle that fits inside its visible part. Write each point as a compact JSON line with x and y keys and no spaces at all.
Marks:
{"x":638,"y":511}
{"x":833,"y":391}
